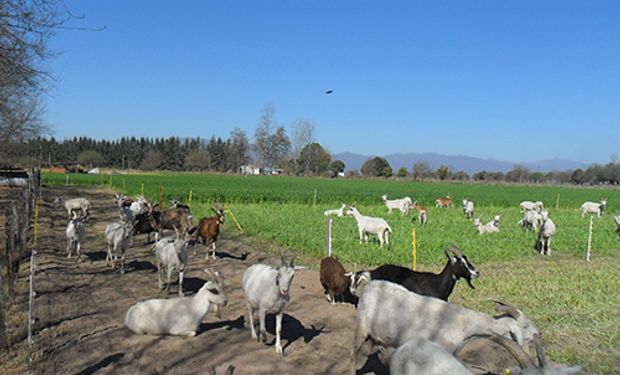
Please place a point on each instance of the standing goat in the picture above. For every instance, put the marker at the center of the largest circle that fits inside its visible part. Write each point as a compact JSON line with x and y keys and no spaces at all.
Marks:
{"x":444,"y":202}
{"x":267,"y":292}
{"x":75,"y":235}
{"x":489,"y":227}
{"x":338,"y":212}
{"x":334,"y":279}
{"x":468,"y":208}
{"x":122,"y":200}
{"x":422,"y":212}
{"x":425,"y":283}
{"x":403,"y":204}
{"x":208,"y":230}
{"x":119,"y":237}
{"x":74,"y":204}
{"x":547,"y":230}
{"x":531,"y":220}
{"x":531,"y":206}
{"x":177,"y":316}
{"x":383,"y":305}
{"x":168,"y":219}
{"x":171,"y":254}
{"x":374,"y":225}
{"x":593,"y":208}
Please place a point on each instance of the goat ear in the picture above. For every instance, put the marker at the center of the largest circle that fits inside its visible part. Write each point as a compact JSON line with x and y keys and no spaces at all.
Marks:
{"x":291,"y":262}
{"x":230,"y":370}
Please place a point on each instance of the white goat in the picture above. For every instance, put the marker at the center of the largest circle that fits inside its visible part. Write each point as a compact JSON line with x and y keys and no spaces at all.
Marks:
{"x":119,"y":237}
{"x":489,"y":227}
{"x":75,"y":204}
{"x":531,"y":220}
{"x":139,"y":206}
{"x":468,"y":208}
{"x":593,"y":208}
{"x":404,"y":205}
{"x":267,"y":291}
{"x":383,"y":306}
{"x":338,"y":212}
{"x":531,"y":206}
{"x":171,"y":254}
{"x":176,"y":316}
{"x":75,"y":235}
{"x":374,"y":225}
{"x":547,"y":230}
{"x":495,"y":221}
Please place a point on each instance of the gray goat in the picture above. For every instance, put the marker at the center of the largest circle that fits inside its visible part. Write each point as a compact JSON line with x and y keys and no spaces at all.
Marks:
{"x":267,"y":290}
{"x":119,"y":237}
{"x":171,"y":254}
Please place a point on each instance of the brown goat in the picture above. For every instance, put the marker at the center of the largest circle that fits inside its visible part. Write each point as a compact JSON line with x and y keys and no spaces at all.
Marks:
{"x":207,"y":231}
{"x":422,"y":213}
{"x":169,"y":219}
{"x":444,"y":202}
{"x":333,"y":279}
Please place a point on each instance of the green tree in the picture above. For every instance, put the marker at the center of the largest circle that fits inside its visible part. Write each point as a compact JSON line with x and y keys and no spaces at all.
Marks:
{"x":90,"y":158}
{"x":376,"y":167}
{"x":402,"y":172}
{"x":313,"y":160}
{"x":442,"y":172}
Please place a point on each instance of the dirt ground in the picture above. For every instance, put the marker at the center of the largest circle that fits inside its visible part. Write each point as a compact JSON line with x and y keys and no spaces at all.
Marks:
{"x":80,"y":310}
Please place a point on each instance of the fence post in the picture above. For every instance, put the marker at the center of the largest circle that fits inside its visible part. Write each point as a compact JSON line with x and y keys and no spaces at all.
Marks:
{"x":33,"y":254}
{"x":415,"y":252}
{"x":557,"y":201}
{"x":161,"y":196}
{"x":123,"y":183}
{"x":314,"y":199}
{"x":329,"y":236}
{"x":189,"y":199}
{"x":234,"y":218}
{"x":67,"y":179}
{"x":142,"y":190}
{"x":589,"y":240}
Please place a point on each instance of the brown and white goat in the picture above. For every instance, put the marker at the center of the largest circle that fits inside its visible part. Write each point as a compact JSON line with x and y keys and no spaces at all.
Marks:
{"x":168,"y":219}
{"x":422,"y":212}
{"x":444,"y":202}
{"x":208,"y":230}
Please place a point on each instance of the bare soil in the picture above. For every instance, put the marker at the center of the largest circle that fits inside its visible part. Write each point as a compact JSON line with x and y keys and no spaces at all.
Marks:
{"x":80,"y":309}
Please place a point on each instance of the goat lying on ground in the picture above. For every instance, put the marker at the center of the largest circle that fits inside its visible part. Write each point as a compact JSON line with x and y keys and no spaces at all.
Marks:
{"x":490,"y":227}
{"x":425,"y":283}
{"x":176,"y":316}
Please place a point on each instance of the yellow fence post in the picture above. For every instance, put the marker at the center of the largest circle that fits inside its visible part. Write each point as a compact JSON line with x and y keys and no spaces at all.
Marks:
{"x":234,"y":219}
{"x":124,"y":184}
{"x":557,"y":201}
{"x":142,"y":190}
{"x":110,"y":183}
{"x":161,"y":197}
{"x":415,"y":253}
{"x":189,"y":199}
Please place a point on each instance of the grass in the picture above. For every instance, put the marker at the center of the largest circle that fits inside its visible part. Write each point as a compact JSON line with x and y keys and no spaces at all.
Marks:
{"x":576,"y":304}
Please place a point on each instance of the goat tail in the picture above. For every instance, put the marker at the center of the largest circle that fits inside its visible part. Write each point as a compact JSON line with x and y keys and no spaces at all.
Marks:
{"x":388,"y":229}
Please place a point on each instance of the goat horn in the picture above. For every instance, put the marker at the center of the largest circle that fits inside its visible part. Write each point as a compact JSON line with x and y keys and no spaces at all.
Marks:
{"x":506,"y":308}
{"x":540,"y":353}
{"x":455,"y":250}
{"x":515,"y":350}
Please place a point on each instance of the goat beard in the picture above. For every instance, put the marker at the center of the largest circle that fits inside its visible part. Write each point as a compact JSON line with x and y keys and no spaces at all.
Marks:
{"x":469,"y":283}
{"x":218,"y":311}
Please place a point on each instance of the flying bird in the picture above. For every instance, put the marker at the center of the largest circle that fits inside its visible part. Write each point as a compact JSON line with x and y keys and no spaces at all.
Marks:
{"x":328,"y":92}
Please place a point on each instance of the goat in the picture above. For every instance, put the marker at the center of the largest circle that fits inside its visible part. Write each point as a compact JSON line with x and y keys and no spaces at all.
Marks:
{"x":443,"y":202}
{"x":374,"y":225}
{"x":593,"y":208}
{"x":168,"y":219}
{"x":422,"y":356}
{"x":177,"y":204}
{"x":422,"y":213}
{"x":119,"y":237}
{"x":468,"y":208}
{"x":334,"y":279}
{"x":487,"y":228}
{"x":547,"y":230}
{"x":383,"y":305}
{"x":142,"y":224}
{"x":531,"y":220}
{"x":122,"y":200}
{"x":403,"y":204}
{"x":208,"y":230}
{"x":75,"y":235}
{"x":495,"y":221}
{"x":338,"y":212}
{"x":171,"y":254}
{"x":425,"y":283}
{"x":267,"y":291}
{"x":74,"y":204}
{"x":177,"y":316}
{"x":531,"y":206}
{"x":139,"y":206}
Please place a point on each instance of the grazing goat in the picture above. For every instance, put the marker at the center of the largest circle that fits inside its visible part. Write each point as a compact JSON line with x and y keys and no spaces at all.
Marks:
{"x":75,"y":235}
{"x":468,"y":208}
{"x":208,"y":230}
{"x":531,"y":220}
{"x":338,"y":211}
{"x":489,"y":227}
{"x":593,"y":208}
{"x":547,"y":230}
{"x":334,"y":280}
{"x":425,"y":283}
{"x":168,"y":219}
{"x":177,"y":316}
{"x":374,"y":225}
{"x":267,"y":292}
{"x":422,"y":213}
{"x":383,"y":309}
{"x":531,"y":206}
{"x":171,"y":254}
{"x":75,"y":204}
{"x":422,"y":356}
{"x":403,"y":204}
{"x":119,"y":237}
{"x":443,"y":202}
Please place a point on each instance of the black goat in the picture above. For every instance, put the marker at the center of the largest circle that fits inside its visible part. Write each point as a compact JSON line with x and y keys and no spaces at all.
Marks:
{"x":424,"y":283}
{"x":142,"y":224}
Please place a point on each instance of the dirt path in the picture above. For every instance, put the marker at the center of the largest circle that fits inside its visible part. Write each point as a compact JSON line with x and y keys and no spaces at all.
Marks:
{"x":80,"y":309}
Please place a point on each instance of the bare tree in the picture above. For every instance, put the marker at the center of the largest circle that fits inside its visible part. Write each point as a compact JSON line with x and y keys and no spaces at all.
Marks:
{"x":302,"y":134}
{"x":262,"y":134}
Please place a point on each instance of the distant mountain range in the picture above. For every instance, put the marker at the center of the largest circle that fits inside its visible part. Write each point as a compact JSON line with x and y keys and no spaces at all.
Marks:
{"x":465,"y":163}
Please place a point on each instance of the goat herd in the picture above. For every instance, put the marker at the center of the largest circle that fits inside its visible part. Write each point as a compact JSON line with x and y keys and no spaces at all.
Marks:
{"x":427,"y":342}
{"x":535,"y":217}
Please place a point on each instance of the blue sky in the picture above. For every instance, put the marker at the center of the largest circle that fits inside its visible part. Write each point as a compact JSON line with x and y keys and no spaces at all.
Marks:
{"x":511,"y":80}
